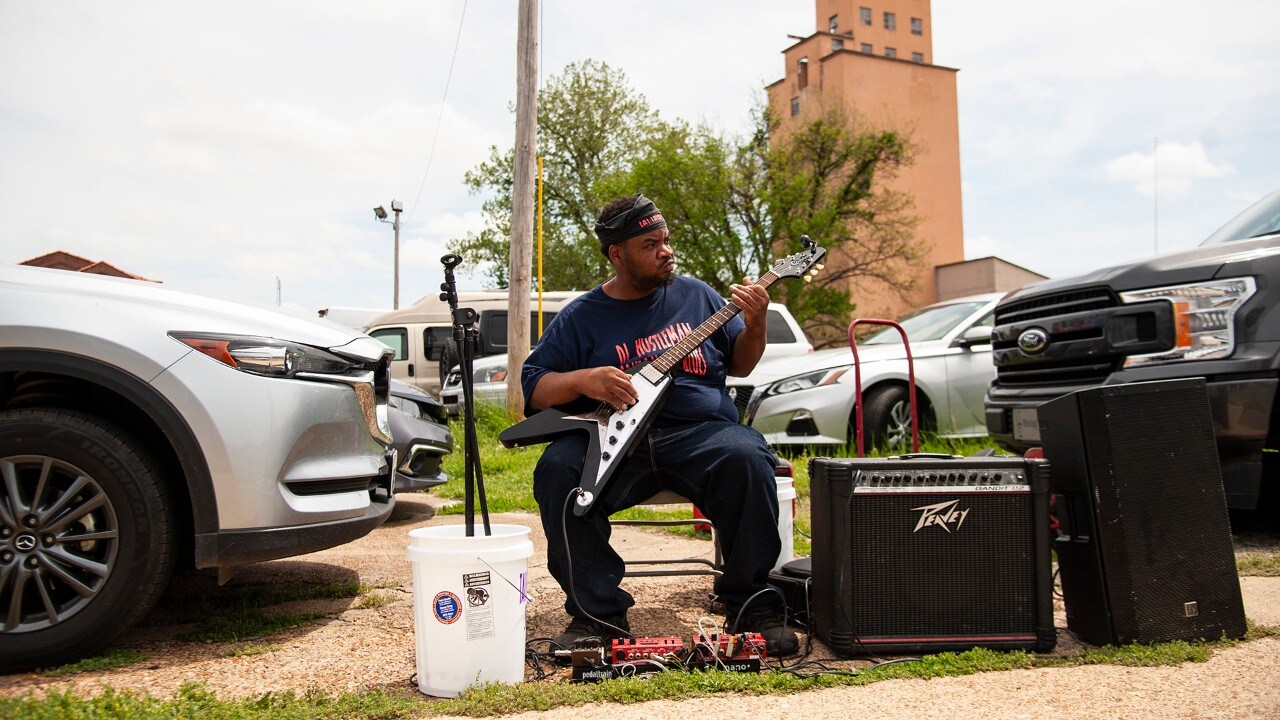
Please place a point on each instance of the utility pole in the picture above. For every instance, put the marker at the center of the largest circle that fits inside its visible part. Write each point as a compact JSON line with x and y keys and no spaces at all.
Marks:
{"x":522,"y":201}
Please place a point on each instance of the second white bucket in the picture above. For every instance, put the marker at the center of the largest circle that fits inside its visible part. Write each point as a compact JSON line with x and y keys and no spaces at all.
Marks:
{"x":469,"y":602}
{"x":786,"y":520}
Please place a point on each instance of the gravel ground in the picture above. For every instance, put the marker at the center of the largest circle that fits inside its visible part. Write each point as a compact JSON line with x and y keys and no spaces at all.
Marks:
{"x":355,"y":648}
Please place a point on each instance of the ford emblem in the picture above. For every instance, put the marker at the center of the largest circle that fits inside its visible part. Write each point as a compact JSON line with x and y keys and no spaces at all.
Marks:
{"x":1033,"y":341}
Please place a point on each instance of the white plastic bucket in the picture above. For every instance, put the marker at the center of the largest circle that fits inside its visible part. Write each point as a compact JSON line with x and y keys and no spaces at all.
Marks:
{"x":786,"y":520}
{"x":469,"y":605}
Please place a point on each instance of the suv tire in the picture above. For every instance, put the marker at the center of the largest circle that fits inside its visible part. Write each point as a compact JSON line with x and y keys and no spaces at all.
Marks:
{"x":87,"y":536}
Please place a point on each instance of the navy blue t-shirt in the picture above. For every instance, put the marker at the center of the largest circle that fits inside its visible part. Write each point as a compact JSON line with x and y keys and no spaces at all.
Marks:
{"x":596,"y":330}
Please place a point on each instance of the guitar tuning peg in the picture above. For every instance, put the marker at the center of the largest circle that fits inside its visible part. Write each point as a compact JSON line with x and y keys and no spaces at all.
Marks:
{"x":808,"y":278}
{"x":820,"y":266}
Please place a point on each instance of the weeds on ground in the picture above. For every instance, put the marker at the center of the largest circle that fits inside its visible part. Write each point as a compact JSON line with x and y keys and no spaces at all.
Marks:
{"x":241,"y":613}
{"x":1258,"y":564}
{"x":106,"y":661}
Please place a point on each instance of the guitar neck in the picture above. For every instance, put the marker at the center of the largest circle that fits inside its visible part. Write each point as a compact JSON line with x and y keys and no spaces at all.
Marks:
{"x":690,"y":342}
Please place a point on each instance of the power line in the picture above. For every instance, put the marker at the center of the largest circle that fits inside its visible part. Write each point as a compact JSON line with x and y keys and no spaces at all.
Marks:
{"x":430,"y":157}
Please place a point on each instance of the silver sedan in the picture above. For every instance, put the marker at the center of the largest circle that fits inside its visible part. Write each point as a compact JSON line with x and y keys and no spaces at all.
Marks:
{"x":809,"y":400}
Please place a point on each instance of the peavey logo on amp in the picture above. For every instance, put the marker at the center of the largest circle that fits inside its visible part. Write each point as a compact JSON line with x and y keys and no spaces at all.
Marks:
{"x":941,"y":515}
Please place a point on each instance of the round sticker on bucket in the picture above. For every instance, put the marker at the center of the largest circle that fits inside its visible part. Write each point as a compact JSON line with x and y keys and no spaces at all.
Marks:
{"x":447,"y":607}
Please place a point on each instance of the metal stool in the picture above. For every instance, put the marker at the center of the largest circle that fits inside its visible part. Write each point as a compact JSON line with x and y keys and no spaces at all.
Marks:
{"x":713,"y":567}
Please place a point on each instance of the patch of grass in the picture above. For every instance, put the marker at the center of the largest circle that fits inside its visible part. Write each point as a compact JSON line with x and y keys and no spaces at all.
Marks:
{"x":1258,"y":564}
{"x":508,"y":474}
{"x":373,"y":601}
{"x":1257,"y":632}
{"x":239,"y":614}
{"x":196,"y":701}
{"x":490,"y":700}
{"x":106,"y":661}
{"x":249,"y":650}
{"x":247,"y":624}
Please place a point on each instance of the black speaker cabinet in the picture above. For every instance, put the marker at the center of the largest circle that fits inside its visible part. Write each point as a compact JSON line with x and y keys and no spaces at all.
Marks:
{"x":1144,"y":543}
{"x":924,"y":554}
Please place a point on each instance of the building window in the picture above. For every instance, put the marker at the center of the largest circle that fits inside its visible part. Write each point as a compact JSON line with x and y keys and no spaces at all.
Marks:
{"x":891,"y":52}
{"x":836,"y":44}
{"x":866,"y":48}
{"x":917,"y":57}
{"x":917,"y":26}
{"x":864,"y":15}
{"x":890,"y":22}
{"x":833,"y":25}
{"x":802,"y":72}
{"x":795,"y":106}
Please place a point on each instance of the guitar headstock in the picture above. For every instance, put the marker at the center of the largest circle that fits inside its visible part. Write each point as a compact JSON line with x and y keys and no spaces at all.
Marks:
{"x":803,"y":264}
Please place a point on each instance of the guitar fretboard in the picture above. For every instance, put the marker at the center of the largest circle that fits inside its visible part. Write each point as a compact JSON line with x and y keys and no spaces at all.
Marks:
{"x":690,"y":342}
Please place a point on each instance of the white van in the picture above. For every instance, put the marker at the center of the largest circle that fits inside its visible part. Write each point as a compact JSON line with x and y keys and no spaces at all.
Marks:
{"x":422,"y":334}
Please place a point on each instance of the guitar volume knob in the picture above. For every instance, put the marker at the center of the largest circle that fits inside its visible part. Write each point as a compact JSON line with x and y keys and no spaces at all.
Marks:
{"x":619,"y":425}
{"x":613,"y":439}
{"x":605,"y":455}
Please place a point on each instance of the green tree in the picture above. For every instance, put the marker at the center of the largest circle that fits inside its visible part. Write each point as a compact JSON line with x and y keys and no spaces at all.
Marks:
{"x":591,"y":128}
{"x":828,"y":179}
{"x":735,"y":205}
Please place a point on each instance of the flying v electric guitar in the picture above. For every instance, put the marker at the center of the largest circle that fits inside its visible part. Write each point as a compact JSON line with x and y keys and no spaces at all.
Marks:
{"x":613,"y":435}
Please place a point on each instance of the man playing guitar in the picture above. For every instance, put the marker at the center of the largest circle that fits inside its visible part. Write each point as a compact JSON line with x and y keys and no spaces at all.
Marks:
{"x":694,"y":447}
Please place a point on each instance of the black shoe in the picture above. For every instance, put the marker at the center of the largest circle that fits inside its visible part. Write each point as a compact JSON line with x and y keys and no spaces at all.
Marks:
{"x":778,"y":640}
{"x":582,"y":630}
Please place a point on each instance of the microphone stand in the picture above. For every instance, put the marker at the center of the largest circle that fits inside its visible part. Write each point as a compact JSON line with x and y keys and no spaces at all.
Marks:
{"x":466,"y":335}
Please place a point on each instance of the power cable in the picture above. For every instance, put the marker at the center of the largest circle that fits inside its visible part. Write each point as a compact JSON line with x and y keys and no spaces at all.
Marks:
{"x":439,"y":119}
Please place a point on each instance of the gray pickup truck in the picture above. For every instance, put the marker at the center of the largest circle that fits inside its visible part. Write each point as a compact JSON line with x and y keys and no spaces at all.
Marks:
{"x":1211,"y":312}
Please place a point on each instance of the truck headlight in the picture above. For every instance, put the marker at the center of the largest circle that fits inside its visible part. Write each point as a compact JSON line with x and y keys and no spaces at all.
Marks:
{"x":808,"y":380}
{"x":1203,"y":318}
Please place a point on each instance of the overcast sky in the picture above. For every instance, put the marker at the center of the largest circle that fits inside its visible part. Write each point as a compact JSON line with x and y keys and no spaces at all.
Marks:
{"x":218,"y":146}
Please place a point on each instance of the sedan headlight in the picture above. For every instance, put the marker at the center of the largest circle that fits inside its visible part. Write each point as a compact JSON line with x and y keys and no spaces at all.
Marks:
{"x":265,"y":356}
{"x":489,"y":375}
{"x":806,"y":381}
{"x":1203,"y":319}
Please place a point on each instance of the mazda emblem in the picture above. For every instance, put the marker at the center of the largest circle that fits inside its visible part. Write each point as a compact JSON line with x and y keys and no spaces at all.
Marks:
{"x":1033,"y":341}
{"x":25,"y":542}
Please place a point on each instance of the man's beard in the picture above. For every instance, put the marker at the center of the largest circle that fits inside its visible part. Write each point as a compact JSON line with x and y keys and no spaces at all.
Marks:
{"x":648,"y":282}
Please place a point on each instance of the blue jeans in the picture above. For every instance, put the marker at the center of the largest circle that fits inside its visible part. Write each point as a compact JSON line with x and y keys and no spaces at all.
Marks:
{"x":723,"y":467}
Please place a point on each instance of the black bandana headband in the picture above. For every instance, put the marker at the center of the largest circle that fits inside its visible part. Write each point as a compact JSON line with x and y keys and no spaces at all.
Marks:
{"x":641,"y":218}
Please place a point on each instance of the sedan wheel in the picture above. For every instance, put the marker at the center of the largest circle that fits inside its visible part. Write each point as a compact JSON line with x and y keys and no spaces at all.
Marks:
{"x":886,"y":419}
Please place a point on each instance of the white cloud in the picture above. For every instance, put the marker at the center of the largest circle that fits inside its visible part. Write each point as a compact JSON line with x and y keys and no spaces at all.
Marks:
{"x":1169,"y":167}
{"x":216,"y":146}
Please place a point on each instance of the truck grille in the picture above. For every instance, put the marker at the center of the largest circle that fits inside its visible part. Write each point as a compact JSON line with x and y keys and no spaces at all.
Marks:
{"x":1087,"y":360}
{"x":1051,"y":306}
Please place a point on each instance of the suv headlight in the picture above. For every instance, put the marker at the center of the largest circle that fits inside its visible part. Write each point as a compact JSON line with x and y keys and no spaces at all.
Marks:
{"x":269,"y":357}
{"x":806,"y":381}
{"x":266,"y":356}
{"x":1203,"y":318}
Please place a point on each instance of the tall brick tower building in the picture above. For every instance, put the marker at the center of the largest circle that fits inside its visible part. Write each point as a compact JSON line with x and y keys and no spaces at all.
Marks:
{"x":875,"y":57}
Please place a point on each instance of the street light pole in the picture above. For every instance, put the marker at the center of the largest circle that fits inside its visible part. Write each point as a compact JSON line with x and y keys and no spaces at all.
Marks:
{"x":396,"y":207}
{"x":380,"y":213}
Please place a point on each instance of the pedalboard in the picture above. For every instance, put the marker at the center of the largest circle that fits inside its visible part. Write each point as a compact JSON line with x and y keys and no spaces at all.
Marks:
{"x":635,"y":657}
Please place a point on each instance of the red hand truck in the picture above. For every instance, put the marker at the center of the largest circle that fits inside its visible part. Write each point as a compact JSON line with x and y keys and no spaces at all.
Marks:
{"x":857,"y":382}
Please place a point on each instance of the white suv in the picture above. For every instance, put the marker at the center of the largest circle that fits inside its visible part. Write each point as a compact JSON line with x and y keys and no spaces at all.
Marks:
{"x":141,"y":427}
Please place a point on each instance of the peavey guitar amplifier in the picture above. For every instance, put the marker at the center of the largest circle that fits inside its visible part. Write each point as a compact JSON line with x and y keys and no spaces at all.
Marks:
{"x":925,"y":553}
